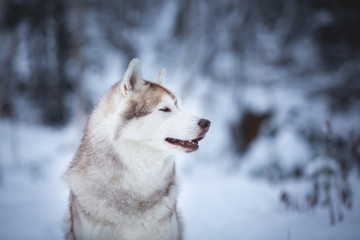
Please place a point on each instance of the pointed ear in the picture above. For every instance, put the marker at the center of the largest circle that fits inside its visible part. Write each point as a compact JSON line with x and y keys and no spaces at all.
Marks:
{"x":132,"y":79}
{"x":161,"y":77}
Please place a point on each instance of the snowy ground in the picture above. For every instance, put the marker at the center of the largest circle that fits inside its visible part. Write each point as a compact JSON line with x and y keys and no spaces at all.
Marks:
{"x":215,"y":204}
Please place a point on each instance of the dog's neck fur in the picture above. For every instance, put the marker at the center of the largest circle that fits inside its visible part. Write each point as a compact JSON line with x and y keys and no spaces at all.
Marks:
{"x":148,"y":171}
{"x":131,"y":173}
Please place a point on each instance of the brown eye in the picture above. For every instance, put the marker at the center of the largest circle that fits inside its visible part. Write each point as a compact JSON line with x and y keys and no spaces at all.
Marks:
{"x":165,"y":109}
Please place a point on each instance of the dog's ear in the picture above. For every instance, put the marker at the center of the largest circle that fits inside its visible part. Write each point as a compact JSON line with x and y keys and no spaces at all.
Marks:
{"x":132,"y":80}
{"x":161,"y":77}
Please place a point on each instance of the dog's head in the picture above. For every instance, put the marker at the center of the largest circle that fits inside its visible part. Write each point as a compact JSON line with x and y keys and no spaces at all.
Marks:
{"x":149,"y":115}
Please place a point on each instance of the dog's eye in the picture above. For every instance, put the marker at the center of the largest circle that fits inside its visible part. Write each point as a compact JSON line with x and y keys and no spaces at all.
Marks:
{"x":165,"y":109}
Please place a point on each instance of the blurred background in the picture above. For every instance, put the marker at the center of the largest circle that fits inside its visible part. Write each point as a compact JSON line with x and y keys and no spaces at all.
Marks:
{"x":279,"y":80}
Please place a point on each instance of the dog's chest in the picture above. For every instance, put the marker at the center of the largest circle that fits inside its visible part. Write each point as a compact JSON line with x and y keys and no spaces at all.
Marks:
{"x":142,"y":229}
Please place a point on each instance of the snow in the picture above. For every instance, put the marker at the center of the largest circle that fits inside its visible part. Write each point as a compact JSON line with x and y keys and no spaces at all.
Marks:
{"x":219,"y":206}
{"x":32,"y":193}
{"x":214,"y":203}
{"x":220,"y":197}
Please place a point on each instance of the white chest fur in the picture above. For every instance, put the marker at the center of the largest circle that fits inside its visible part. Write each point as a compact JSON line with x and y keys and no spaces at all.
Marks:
{"x":129,"y":193}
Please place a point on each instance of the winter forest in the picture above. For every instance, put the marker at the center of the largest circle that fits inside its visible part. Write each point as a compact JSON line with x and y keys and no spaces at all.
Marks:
{"x":279,"y":80}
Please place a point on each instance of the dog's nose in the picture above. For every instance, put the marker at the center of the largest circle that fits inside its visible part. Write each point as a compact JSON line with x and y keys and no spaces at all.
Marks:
{"x":204,"y":124}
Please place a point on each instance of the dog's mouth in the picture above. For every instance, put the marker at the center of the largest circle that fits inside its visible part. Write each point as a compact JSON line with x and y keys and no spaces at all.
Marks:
{"x":188,"y":145}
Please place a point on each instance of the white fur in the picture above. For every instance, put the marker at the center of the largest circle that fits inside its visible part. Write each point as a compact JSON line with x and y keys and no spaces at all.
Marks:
{"x":161,"y":77}
{"x":175,"y":124}
{"x":133,"y":71}
{"x":144,"y":162}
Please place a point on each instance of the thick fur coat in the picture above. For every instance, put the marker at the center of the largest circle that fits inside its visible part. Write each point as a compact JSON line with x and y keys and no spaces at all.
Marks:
{"x":122,"y":179}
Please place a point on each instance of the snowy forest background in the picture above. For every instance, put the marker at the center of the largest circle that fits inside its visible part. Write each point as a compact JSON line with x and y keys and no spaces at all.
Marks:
{"x":279,"y":80}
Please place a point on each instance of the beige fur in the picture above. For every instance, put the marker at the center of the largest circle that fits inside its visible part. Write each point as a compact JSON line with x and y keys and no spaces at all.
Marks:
{"x":123,"y":178}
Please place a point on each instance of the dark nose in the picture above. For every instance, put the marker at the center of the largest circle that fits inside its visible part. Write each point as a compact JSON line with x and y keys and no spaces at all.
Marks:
{"x":204,"y":124}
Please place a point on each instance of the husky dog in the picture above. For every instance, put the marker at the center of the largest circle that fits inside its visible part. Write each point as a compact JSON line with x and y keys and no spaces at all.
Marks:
{"x":122,"y":179}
